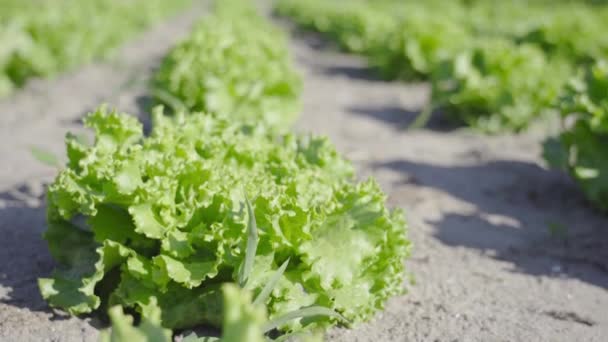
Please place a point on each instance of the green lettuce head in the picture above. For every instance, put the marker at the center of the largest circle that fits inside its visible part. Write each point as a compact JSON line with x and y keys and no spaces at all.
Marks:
{"x":158,"y":223}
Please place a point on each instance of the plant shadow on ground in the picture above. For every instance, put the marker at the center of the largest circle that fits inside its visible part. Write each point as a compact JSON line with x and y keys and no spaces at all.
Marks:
{"x":523,"y":214}
{"x":351,"y":66}
{"x":394,"y":116}
{"x":22,"y":248}
{"x":26,"y":257}
{"x":401,"y":118}
{"x":356,"y":72}
{"x":145,"y":104}
{"x":24,"y":251}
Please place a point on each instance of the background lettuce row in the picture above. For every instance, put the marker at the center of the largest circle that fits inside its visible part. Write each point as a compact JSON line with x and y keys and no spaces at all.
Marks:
{"x":572,"y":30}
{"x":498,"y":85}
{"x":417,"y":45}
{"x":356,"y":26}
{"x":234,"y":65}
{"x":401,"y":40}
{"x":123,"y":329}
{"x":43,"y":38}
{"x":569,"y":29}
{"x":530,"y":48}
{"x":582,"y":149}
{"x":158,"y":222}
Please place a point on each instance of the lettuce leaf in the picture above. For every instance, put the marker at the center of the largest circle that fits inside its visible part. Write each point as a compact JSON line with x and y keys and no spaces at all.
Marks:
{"x":582,"y":148}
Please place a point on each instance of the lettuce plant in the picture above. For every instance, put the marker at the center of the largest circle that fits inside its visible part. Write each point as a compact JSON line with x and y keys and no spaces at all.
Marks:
{"x":497,"y":85}
{"x":158,"y":223}
{"x":415,"y":47}
{"x":234,"y":65}
{"x":582,"y":148}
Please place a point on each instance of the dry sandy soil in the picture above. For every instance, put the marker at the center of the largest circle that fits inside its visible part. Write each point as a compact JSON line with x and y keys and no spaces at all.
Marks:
{"x":485,"y":264}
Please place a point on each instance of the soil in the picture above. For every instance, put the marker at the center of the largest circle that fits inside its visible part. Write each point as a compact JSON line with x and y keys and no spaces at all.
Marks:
{"x":504,"y":249}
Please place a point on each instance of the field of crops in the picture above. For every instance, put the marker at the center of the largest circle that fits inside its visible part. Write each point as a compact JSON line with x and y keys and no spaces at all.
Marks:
{"x":496,"y":67}
{"x":304,"y":170}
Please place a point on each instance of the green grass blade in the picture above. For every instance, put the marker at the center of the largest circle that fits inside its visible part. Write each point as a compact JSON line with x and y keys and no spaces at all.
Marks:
{"x":252,"y":245}
{"x":261,"y":298}
{"x":422,"y":119}
{"x":173,"y":102}
{"x":45,"y":157}
{"x":310,"y":311}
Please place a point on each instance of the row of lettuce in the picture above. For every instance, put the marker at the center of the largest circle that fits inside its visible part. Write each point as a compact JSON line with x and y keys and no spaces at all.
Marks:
{"x":219,"y":192}
{"x":44,"y":38}
{"x":494,"y":66}
{"x":241,"y":71}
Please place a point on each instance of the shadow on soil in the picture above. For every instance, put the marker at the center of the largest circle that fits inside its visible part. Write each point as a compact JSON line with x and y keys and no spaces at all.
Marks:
{"x":531,"y":217}
{"x":355,"y":68}
{"x":397,"y":117}
{"x":25,"y":255}
{"x":145,"y":104}
{"x":25,"y":252}
{"x":401,"y":118}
